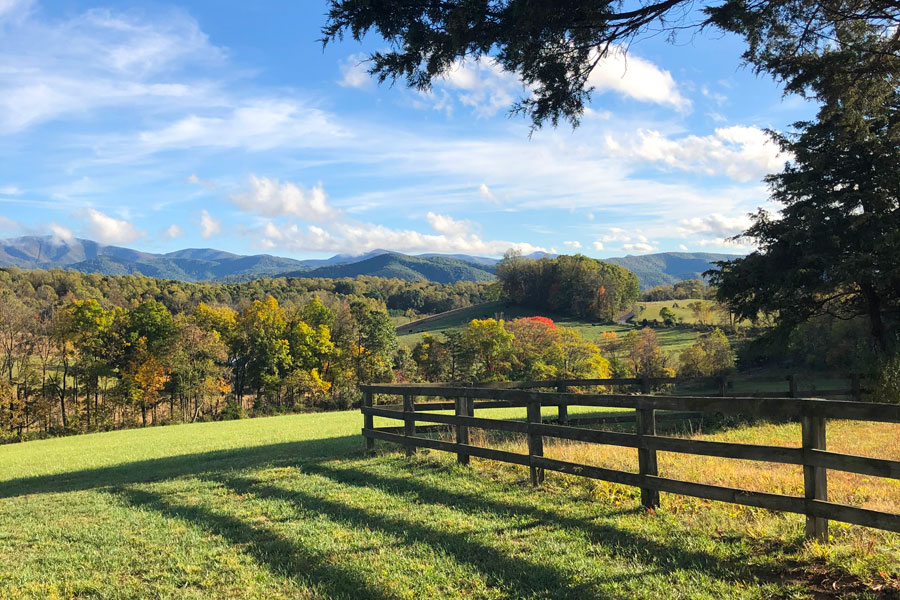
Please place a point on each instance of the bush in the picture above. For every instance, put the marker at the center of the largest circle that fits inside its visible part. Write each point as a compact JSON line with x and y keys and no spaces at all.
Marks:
{"x":233,"y":410}
{"x":887,"y":386}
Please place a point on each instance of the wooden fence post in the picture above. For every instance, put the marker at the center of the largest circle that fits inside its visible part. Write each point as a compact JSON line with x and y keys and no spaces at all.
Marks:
{"x":409,"y":423}
{"x":792,"y":386}
{"x":856,"y":387}
{"x":723,"y":385}
{"x":369,"y":422}
{"x":815,"y":479}
{"x":646,"y":425}
{"x":563,"y":408}
{"x":535,"y":442}
{"x":645,"y":385}
{"x":462,"y":431}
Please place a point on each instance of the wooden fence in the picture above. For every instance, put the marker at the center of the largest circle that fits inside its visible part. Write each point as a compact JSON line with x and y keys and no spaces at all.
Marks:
{"x":811,"y":454}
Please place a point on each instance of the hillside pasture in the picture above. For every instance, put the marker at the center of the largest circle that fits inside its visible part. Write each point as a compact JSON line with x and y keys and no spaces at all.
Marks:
{"x":409,"y":334}
{"x":289,"y":507}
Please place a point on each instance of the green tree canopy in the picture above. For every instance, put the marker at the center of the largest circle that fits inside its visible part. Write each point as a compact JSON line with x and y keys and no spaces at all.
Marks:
{"x":553,"y":45}
{"x":832,"y":250}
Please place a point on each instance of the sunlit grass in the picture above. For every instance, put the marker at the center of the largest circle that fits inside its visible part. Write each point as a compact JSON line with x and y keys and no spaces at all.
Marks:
{"x":289,"y":507}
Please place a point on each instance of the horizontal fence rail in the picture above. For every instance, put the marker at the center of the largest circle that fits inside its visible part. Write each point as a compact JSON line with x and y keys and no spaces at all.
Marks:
{"x":812,"y":455}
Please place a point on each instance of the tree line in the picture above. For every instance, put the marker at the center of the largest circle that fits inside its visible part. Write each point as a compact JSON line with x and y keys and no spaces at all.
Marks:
{"x":45,"y":288}
{"x":575,"y":285}
{"x":535,"y":348}
{"x":83,"y":366}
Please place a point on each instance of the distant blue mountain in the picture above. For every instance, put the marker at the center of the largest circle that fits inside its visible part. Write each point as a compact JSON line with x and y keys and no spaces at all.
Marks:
{"x":208,"y":264}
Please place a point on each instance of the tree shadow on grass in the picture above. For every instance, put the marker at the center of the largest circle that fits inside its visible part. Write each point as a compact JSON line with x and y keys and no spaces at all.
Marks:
{"x":158,"y":469}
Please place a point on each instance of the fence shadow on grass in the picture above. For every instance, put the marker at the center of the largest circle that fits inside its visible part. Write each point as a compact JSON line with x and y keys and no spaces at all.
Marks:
{"x":268,"y":549}
{"x":517,"y":577}
{"x":614,"y":539}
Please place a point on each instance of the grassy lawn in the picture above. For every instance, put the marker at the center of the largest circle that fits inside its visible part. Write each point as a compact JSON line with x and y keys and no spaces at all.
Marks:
{"x":288,"y":507}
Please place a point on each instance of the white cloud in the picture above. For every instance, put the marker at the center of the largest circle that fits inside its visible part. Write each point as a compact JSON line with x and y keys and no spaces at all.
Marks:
{"x":172,"y":231}
{"x":98,"y":59}
{"x":449,"y":225}
{"x":194,"y":180}
{"x":355,"y":73}
{"x":638,"y":247}
{"x":255,"y":124}
{"x":716,"y":97}
{"x":741,"y":153}
{"x":727,"y":244}
{"x":209,"y":225}
{"x":715,"y":224}
{"x":10,"y":190}
{"x":482,"y":85}
{"x":485,"y":192}
{"x":356,"y":238}
{"x":269,"y":198}
{"x":598,"y":245}
{"x":14,"y":9}
{"x":9,"y":226}
{"x":682,"y":247}
{"x":60,"y":233}
{"x":636,"y":78}
{"x":103,"y":228}
{"x":572,"y":244}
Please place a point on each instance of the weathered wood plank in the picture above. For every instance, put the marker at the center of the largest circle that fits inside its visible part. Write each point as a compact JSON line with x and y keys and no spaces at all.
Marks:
{"x":489,"y":453}
{"x":832,"y":409}
{"x":864,"y":465}
{"x":579,"y":434}
{"x":482,"y":423}
{"x":852,"y":514}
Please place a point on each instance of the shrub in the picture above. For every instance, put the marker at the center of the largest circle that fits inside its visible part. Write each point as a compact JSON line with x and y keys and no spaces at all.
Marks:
{"x":887,"y":386}
{"x":233,"y":410}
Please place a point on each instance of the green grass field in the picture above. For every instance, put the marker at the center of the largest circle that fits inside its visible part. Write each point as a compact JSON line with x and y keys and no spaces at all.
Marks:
{"x":289,"y":507}
{"x":671,"y":340}
{"x":650,"y":310}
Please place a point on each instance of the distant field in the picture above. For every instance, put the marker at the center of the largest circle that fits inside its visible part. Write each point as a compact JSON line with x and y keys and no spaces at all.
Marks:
{"x":671,"y":339}
{"x":288,"y":507}
{"x":650,"y":310}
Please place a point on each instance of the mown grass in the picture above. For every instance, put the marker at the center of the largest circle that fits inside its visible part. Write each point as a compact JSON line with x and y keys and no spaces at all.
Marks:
{"x":289,"y":507}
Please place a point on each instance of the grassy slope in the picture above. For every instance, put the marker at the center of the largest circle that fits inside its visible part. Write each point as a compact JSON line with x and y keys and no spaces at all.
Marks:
{"x":408,"y":268}
{"x":287,"y":507}
{"x":671,"y":339}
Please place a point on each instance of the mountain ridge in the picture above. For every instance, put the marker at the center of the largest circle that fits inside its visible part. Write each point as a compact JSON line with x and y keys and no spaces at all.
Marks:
{"x":210,"y":264}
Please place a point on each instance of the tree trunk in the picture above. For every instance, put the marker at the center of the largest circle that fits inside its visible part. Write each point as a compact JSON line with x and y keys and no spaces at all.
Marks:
{"x":876,"y":322}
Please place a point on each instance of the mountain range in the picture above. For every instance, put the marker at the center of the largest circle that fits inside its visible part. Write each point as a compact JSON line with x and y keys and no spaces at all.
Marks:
{"x":207,"y":264}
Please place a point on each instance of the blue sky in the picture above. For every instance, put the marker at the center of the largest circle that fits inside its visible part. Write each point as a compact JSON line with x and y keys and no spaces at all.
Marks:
{"x":162,"y":126}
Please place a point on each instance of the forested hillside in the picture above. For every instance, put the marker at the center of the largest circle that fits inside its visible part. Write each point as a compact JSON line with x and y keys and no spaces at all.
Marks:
{"x":668,"y":268}
{"x":440,"y":269}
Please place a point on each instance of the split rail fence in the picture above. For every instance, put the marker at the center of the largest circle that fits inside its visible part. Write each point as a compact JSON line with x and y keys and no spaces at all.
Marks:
{"x":811,"y":454}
